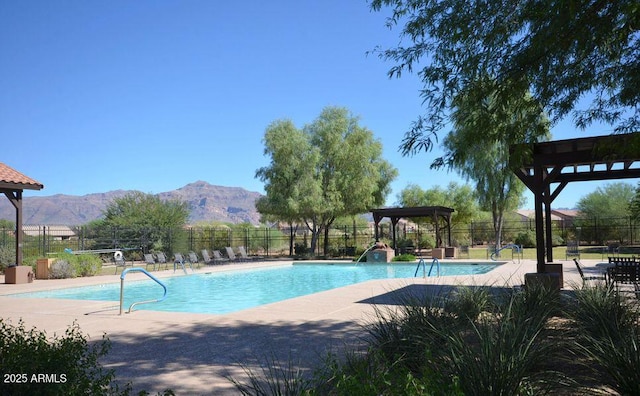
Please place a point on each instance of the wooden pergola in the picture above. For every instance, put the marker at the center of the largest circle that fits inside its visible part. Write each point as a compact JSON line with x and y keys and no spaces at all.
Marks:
{"x":12,"y":184}
{"x":553,"y":165}
{"x":432,"y":212}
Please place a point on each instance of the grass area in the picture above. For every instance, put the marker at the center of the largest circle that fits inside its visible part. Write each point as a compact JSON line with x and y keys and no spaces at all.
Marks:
{"x":559,"y":253}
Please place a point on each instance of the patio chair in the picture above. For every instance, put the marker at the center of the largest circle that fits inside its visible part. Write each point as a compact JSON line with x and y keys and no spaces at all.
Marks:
{"x":162,"y":259}
{"x":244,"y":256}
{"x":217,"y":257}
{"x":206,"y":257}
{"x":573,"y":249}
{"x":464,"y":249}
{"x":231,"y":254}
{"x":193,"y":259}
{"x":180,"y":261}
{"x":119,"y":260}
{"x":586,"y":278}
{"x":625,"y":273}
{"x":149,"y":260}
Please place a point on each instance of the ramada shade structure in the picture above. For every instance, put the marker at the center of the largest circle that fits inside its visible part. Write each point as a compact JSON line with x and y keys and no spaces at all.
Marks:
{"x":560,"y":162}
{"x":432,"y":212}
{"x":12,"y":184}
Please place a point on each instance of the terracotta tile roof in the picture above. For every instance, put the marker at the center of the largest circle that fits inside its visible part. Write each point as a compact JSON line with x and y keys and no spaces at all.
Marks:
{"x":12,"y":179}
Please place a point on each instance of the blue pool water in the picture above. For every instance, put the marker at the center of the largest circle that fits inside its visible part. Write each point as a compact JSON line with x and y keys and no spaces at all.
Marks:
{"x":230,"y":291}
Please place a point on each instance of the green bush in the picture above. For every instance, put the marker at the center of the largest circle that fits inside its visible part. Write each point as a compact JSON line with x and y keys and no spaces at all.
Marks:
{"x":7,"y":256}
{"x":526,"y":239}
{"x":87,"y":264}
{"x":61,"y":269}
{"x":31,"y":364}
{"x":405,"y":257}
{"x":69,"y":265}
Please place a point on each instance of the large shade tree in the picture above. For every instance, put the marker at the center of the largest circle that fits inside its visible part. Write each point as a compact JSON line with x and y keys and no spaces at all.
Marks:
{"x":330,"y":168}
{"x":462,"y":198}
{"x":145,"y":217}
{"x":487,"y":162}
{"x":604,"y":213}
{"x":563,"y":52}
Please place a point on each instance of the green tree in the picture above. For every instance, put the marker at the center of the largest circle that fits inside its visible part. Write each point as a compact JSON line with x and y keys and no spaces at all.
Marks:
{"x":487,"y":162}
{"x":333,"y":167}
{"x":610,"y":207}
{"x":459,"y":197}
{"x":148,"y":215}
{"x":634,"y":206}
{"x":289,"y":181}
{"x":561,"y":51}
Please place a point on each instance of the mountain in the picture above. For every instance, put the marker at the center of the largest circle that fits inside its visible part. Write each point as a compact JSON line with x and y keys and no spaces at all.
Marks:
{"x":207,"y":202}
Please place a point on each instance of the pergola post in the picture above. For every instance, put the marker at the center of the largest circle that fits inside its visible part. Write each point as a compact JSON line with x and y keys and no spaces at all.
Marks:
{"x":608,"y":157}
{"x":12,"y":183}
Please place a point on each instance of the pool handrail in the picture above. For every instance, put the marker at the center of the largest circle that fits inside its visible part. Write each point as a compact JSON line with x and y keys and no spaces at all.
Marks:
{"x":138,"y":269}
{"x":422,"y":263}
{"x":437,"y":262}
{"x":424,"y":268}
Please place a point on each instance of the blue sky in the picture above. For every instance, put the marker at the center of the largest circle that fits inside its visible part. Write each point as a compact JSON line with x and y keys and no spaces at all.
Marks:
{"x":152,"y":95}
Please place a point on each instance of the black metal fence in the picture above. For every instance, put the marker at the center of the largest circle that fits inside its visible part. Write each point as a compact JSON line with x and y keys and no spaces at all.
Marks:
{"x":44,"y":240}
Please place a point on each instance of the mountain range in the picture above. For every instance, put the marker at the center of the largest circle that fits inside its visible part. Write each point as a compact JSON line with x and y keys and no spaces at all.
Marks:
{"x":207,"y":202}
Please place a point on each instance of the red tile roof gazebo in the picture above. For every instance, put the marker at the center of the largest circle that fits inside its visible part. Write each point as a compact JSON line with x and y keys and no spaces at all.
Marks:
{"x":12,"y":184}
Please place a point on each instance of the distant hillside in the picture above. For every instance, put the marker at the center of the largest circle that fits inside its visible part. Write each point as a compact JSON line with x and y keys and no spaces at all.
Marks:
{"x":207,"y":203}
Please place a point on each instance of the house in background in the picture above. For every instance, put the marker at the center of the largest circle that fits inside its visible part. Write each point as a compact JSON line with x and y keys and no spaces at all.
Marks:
{"x":54,"y":232}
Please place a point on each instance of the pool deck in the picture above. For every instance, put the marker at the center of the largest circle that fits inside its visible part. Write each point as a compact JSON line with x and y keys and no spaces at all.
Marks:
{"x":193,"y":354}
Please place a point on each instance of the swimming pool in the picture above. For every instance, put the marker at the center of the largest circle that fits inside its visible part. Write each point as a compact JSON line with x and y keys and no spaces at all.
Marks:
{"x":235,"y":290}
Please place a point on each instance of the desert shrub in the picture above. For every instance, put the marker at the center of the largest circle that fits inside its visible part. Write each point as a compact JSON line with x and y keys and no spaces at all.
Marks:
{"x":61,"y":269}
{"x":608,"y":333}
{"x":87,"y":264}
{"x":32,"y":364}
{"x":69,"y":265}
{"x":7,"y":256}
{"x":526,"y":239}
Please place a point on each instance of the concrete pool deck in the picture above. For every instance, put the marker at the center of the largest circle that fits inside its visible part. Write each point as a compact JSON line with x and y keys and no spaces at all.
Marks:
{"x":192,"y":354}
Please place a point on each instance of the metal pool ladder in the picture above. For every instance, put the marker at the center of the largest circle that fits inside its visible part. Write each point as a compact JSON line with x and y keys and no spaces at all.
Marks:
{"x":422,"y":263}
{"x":136,"y":269}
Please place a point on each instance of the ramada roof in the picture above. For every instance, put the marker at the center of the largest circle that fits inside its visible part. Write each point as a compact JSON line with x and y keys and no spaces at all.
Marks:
{"x":13,"y":180}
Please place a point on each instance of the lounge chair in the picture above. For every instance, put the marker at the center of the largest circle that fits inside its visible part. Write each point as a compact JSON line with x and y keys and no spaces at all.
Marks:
{"x":180,"y":261}
{"x":206,"y":257}
{"x":573,"y":250}
{"x":244,"y":256}
{"x":149,"y":260}
{"x":162,"y":259}
{"x":217,"y":257}
{"x":193,"y":259}
{"x":231,"y":254}
{"x":586,"y":278}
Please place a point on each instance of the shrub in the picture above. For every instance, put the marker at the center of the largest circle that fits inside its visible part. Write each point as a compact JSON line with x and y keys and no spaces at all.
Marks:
{"x":405,"y":257}
{"x":69,"y":265}
{"x":70,"y":365}
{"x":526,"y":239}
{"x":87,"y":264}
{"x":7,"y":256}
{"x":61,"y":269}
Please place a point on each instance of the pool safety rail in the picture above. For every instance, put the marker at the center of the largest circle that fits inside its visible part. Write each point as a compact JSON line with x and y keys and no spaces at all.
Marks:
{"x":137,"y":269}
{"x":516,"y":250}
{"x":422,"y":263}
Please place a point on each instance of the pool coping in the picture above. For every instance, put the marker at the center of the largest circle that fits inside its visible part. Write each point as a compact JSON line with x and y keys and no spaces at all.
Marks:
{"x":193,"y":353}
